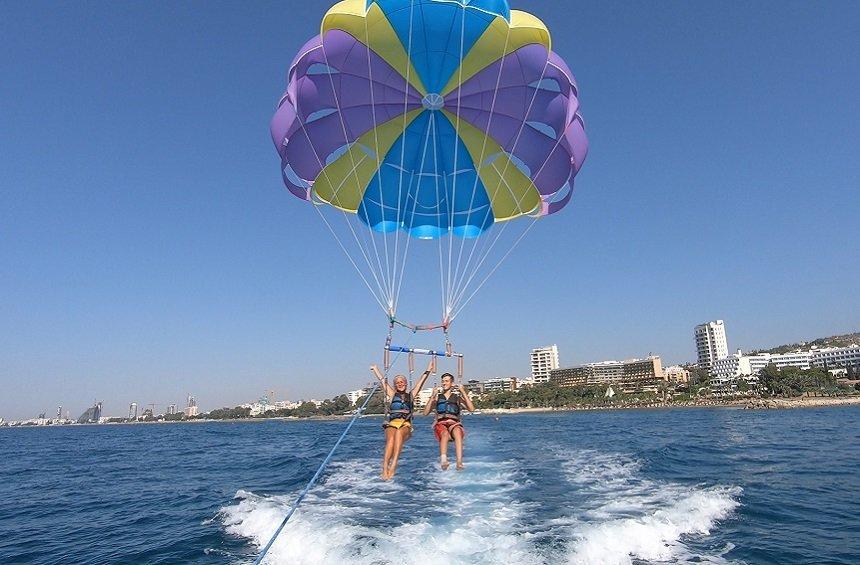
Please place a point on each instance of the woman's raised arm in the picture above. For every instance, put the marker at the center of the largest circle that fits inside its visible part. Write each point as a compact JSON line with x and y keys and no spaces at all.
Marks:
{"x":431,"y":368}
{"x":386,"y":388}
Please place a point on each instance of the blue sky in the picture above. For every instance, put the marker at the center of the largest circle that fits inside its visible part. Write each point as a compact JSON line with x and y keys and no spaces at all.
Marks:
{"x":148,"y":249}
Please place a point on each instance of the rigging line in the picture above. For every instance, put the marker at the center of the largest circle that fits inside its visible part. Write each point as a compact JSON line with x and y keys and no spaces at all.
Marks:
{"x":527,"y":112}
{"x":365,"y":249}
{"x":356,"y":226}
{"x":486,"y":249}
{"x":325,"y":172}
{"x":481,"y":160}
{"x":355,"y":236}
{"x":376,"y":142}
{"x":485,"y":255}
{"x":557,"y":143}
{"x":511,"y":152}
{"x":431,"y":124}
{"x":354,"y":168}
{"x":459,"y":290}
{"x":403,"y":137}
{"x":457,"y":138}
{"x":323,"y":465}
{"x":352,"y":159}
{"x":449,"y":215}
{"x":449,"y":209}
{"x":442,"y":290}
{"x":505,"y":256}
{"x":362,"y":246}
{"x":348,"y":256}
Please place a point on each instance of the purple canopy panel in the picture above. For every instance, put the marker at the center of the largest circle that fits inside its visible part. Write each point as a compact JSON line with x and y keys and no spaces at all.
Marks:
{"x":553,"y":207}
{"x":324,"y":119}
{"x":528,"y":113}
{"x":309,"y":45}
{"x":577,"y":142}
{"x":283,"y":120}
{"x":558,"y":63}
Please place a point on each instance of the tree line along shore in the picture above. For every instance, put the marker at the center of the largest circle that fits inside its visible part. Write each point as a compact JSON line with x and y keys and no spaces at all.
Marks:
{"x":755,"y":403}
{"x":240,"y":414}
{"x":775,"y":388}
{"x":789,"y":387}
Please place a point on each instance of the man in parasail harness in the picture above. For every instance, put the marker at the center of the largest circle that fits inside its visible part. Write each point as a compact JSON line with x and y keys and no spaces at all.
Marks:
{"x":398,"y":422}
{"x":448,"y":403}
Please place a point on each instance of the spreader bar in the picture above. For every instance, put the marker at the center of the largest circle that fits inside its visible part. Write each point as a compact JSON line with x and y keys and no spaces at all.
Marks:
{"x":419,"y":351}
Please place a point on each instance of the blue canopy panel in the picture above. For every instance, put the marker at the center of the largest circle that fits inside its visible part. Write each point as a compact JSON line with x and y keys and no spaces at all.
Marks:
{"x":428,"y":196}
{"x":437,"y":26}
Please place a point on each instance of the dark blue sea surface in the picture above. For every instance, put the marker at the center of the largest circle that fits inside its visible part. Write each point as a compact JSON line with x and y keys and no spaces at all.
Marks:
{"x":632,"y":486}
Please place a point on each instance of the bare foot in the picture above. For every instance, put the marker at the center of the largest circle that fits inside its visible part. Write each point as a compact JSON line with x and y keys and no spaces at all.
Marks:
{"x":444,"y":464}
{"x":460,"y":466}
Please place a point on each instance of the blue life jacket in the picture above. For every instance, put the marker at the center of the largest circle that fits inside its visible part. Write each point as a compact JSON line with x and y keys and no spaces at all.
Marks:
{"x":448,"y":408}
{"x":401,"y":406}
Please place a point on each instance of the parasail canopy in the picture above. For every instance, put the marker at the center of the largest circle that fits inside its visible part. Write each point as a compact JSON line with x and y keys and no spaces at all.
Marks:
{"x":430,"y":118}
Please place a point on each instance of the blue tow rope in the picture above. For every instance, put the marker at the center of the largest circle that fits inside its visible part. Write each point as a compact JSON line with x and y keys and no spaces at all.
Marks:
{"x":322,"y":467}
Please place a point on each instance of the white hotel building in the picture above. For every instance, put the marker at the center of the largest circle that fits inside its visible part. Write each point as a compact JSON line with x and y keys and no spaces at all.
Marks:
{"x":424,"y":396}
{"x":544,"y":360}
{"x":508,"y":384}
{"x":727,"y":370}
{"x":354,"y":395}
{"x":799,"y":359}
{"x":740,"y":365}
{"x":835,"y":357}
{"x":711,"y":343}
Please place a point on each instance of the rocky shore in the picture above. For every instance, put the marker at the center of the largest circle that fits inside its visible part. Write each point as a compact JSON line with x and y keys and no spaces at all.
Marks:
{"x":748,"y":403}
{"x":801,"y":402}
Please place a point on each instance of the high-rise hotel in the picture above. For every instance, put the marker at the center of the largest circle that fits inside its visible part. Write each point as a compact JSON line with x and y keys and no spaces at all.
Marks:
{"x":544,"y":360}
{"x":711,"y":343}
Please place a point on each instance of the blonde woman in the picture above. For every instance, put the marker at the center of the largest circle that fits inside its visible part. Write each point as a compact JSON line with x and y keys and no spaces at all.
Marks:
{"x":398,"y":424}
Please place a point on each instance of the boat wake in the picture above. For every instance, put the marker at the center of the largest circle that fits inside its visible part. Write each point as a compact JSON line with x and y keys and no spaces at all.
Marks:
{"x":490,"y":513}
{"x":467,"y":517}
{"x":625,"y":516}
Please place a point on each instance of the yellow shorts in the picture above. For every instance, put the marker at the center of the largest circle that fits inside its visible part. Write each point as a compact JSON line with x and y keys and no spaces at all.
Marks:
{"x":397,"y":423}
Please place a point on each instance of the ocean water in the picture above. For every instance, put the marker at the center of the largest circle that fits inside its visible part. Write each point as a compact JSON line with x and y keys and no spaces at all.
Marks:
{"x":620,"y":487}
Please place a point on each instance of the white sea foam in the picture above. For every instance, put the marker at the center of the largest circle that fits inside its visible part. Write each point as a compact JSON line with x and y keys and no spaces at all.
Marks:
{"x":616,"y":515}
{"x":625,"y":516}
{"x":656,"y":535}
{"x":453,"y":517}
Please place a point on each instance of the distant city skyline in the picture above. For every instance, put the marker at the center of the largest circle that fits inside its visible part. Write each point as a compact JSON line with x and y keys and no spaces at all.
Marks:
{"x":148,"y":247}
{"x":731,"y":364}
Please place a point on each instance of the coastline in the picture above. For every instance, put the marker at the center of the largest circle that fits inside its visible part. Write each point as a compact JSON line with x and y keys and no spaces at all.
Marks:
{"x":749,"y":403}
{"x":746,"y":404}
{"x":803,"y":402}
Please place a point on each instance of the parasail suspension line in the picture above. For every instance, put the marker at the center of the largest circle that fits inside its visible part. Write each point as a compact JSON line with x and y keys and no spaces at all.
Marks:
{"x":319,"y":471}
